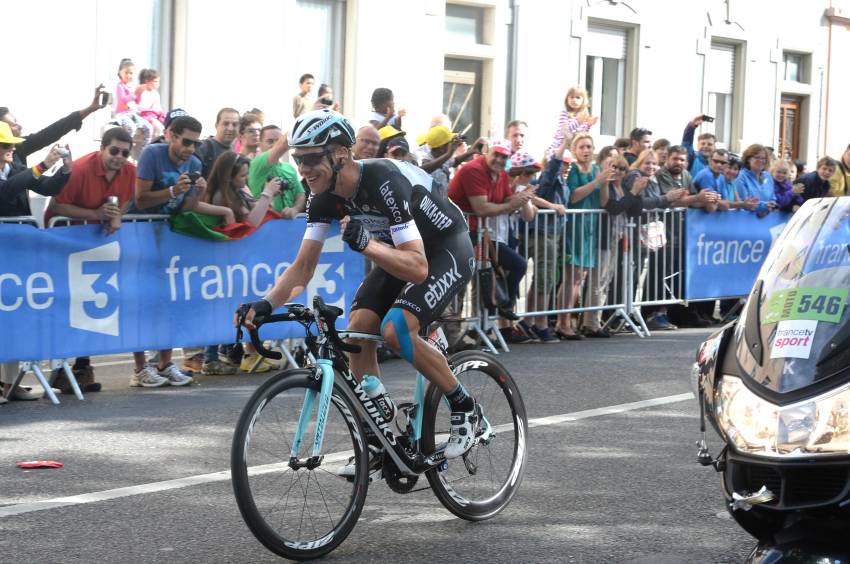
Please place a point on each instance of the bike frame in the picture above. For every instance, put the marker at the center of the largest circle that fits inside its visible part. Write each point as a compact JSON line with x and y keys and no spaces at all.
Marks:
{"x":329,"y":362}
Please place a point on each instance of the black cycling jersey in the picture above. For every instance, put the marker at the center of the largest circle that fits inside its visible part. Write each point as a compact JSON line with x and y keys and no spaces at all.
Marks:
{"x":393,"y":201}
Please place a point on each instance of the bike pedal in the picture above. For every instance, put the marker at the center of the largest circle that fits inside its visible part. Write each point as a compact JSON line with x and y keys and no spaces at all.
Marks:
{"x":444,"y":465}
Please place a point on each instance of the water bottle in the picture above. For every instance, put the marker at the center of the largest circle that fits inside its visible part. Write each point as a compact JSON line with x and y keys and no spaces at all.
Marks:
{"x":374,"y":388}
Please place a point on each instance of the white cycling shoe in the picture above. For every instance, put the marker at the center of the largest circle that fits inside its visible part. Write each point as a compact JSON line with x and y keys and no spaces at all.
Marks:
{"x":462,"y":435}
{"x":375,"y":472}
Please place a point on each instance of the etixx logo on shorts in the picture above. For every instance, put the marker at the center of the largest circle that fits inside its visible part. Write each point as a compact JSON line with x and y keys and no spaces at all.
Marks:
{"x":93,"y":286}
{"x":794,"y":338}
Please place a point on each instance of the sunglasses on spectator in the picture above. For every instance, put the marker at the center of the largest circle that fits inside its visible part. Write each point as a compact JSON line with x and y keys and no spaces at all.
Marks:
{"x":189,"y":142}
{"x":115,"y":150}
{"x":718,"y":161}
{"x":6,"y":146}
{"x":310,"y":159}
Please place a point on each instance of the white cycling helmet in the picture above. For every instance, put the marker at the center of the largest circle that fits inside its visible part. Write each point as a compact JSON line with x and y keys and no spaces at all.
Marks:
{"x":320,"y":127}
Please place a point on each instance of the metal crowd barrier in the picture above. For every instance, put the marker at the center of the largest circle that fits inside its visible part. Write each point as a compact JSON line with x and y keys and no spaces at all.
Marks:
{"x":62,"y":221}
{"x":585,"y":262}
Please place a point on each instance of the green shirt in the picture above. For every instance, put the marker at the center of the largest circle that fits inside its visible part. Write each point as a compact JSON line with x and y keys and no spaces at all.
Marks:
{"x":260,"y":169}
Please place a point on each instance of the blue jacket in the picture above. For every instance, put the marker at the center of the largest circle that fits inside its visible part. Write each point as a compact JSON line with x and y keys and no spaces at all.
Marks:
{"x":748,"y":186}
{"x":696,"y":161}
{"x":815,"y":187}
{"x":553,"y":189}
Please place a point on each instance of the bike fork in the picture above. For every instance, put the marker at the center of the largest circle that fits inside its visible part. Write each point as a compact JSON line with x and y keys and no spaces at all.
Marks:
{"x":326,"y":366}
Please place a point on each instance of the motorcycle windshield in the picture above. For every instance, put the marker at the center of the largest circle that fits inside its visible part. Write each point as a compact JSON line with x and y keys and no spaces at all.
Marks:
{"x":797,"y":331}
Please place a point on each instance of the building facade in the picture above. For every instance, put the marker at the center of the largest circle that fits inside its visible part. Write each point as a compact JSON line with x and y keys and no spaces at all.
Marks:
{"x":768,"y":71}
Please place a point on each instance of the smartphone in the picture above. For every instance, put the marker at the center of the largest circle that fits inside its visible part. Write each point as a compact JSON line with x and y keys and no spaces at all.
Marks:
{"x":707,"y":118}
{"x":194,"y":176}
{"x":105,"y":98}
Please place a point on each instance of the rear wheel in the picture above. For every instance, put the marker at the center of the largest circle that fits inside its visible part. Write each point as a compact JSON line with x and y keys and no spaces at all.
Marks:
{"x":302,"y":512}
{"x":483,"y":481}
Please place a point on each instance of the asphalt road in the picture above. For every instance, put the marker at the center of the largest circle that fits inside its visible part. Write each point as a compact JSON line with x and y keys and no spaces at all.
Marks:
{"x":609,"y":487}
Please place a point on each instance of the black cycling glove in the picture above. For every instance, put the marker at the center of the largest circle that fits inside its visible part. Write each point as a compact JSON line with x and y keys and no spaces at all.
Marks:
{"x":261,"y":309}
{"x":356,"y":236}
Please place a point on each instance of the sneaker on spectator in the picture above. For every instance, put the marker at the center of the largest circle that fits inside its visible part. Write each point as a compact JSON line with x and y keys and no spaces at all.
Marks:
{"x":545,"y":335}
{"x":194,"y":363}
{"x":660,"y":323}
{"x":250,"y":359}
{"x":514,"y":336}
{"x":218,"y":368}
{"x":175,"y":376}
{"x":529,"y":331}
{"x":147,"y":377}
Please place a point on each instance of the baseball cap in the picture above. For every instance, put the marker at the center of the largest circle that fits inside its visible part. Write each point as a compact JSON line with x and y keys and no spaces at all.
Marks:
{"x":437,"y":136}
{"x":502,"y":147}
{"x":397,"y":143}
{"x":523,"y":159}
{"x":6,"y":134}
{"x":174,"y":114}
{"x":389,"y":131}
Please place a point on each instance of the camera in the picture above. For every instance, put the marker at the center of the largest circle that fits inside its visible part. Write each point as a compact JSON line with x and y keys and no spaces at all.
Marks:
{"x":284,"y":184}
{"x":709,"y":119}
{"x":62,"y":152}
{"x":194,"y":176}
{"x":462,"y":138}
{"x":326,"y":101}
{"x":105,"y":98}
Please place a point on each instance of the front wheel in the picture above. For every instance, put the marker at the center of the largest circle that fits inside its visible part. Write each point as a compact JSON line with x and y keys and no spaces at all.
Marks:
{"x":483,"y":481}
{"x":299,"y":512}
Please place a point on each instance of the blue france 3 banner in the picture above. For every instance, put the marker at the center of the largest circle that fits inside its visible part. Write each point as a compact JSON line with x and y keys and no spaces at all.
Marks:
{"x":725,"y":250}
{"x":75,"y":291}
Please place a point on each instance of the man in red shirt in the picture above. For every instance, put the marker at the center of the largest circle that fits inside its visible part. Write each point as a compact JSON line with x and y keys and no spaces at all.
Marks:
{"x":95,"y":179}
{"x":482,"y":187}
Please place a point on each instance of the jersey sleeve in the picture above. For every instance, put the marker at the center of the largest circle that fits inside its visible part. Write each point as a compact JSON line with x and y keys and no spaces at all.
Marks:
{"x":320,"y":214}
{"x":395,"y":197}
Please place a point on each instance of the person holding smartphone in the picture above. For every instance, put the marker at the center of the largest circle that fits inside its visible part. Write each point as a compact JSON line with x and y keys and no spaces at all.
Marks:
{"x":698,"y":159}
{"x":53,"y":132}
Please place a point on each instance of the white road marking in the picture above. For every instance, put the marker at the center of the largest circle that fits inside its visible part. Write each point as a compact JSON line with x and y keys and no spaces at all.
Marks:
{"x":155,"y":487}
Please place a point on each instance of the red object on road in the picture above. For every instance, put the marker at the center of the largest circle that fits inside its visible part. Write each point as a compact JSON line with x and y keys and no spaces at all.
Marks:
{"x":40,"y":464}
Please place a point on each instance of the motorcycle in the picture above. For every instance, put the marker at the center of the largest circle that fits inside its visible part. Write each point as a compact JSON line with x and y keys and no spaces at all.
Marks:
{"x":775,"y":386}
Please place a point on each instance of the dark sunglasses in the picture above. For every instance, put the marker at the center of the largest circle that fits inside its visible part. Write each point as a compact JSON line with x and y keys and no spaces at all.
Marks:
{"x":310,"y":159}
{"x":6,"y":146}
{"x":186,"y":142}
{"x":115,"y":150}
{"x":716,"y":161}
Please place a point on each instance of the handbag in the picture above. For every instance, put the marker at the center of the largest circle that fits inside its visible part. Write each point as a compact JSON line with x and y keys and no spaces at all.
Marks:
{"x":492,"y":281}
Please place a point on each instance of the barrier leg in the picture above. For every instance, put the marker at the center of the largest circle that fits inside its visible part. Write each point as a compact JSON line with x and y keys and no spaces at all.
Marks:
{"x":69,"y":374}
{"x":42,"y":379}
{"x":483,"y":336}
{"x":288,"y":355}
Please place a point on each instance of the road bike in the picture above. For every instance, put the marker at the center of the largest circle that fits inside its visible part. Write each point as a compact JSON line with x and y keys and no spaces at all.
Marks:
{"x":304,"y":425}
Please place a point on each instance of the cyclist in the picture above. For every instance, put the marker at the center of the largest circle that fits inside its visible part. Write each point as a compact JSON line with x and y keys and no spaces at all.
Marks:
{"x":418,"y":242}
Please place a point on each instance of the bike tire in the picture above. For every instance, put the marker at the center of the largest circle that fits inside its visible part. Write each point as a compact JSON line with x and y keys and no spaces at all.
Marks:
{"x":262,"y":442}
{"x":487,"y":380}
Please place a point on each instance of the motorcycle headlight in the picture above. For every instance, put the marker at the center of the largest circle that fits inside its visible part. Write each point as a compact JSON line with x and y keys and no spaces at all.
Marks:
{"x":820,"y":425}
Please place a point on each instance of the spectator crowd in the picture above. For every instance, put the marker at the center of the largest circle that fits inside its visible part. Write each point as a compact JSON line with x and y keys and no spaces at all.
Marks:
{"x":558,"y":218}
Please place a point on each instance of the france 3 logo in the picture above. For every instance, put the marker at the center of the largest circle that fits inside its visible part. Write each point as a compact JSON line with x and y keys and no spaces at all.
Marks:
{"x":93,"y":287}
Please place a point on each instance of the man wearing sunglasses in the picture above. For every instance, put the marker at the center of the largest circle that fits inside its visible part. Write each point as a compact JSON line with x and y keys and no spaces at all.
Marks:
{"x":100,"y":190}
{"x":417,"y":241}
{"x":96,"y":178}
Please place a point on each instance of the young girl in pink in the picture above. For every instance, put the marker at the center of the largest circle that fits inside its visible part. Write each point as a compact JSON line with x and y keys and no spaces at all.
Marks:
{"x":126,"y":108}
{"x":148,"y":101}
{"x":574,"y":118}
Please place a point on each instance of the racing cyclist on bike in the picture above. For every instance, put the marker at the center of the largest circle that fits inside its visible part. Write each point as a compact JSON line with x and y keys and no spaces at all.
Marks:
{"x":418,"y":242}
